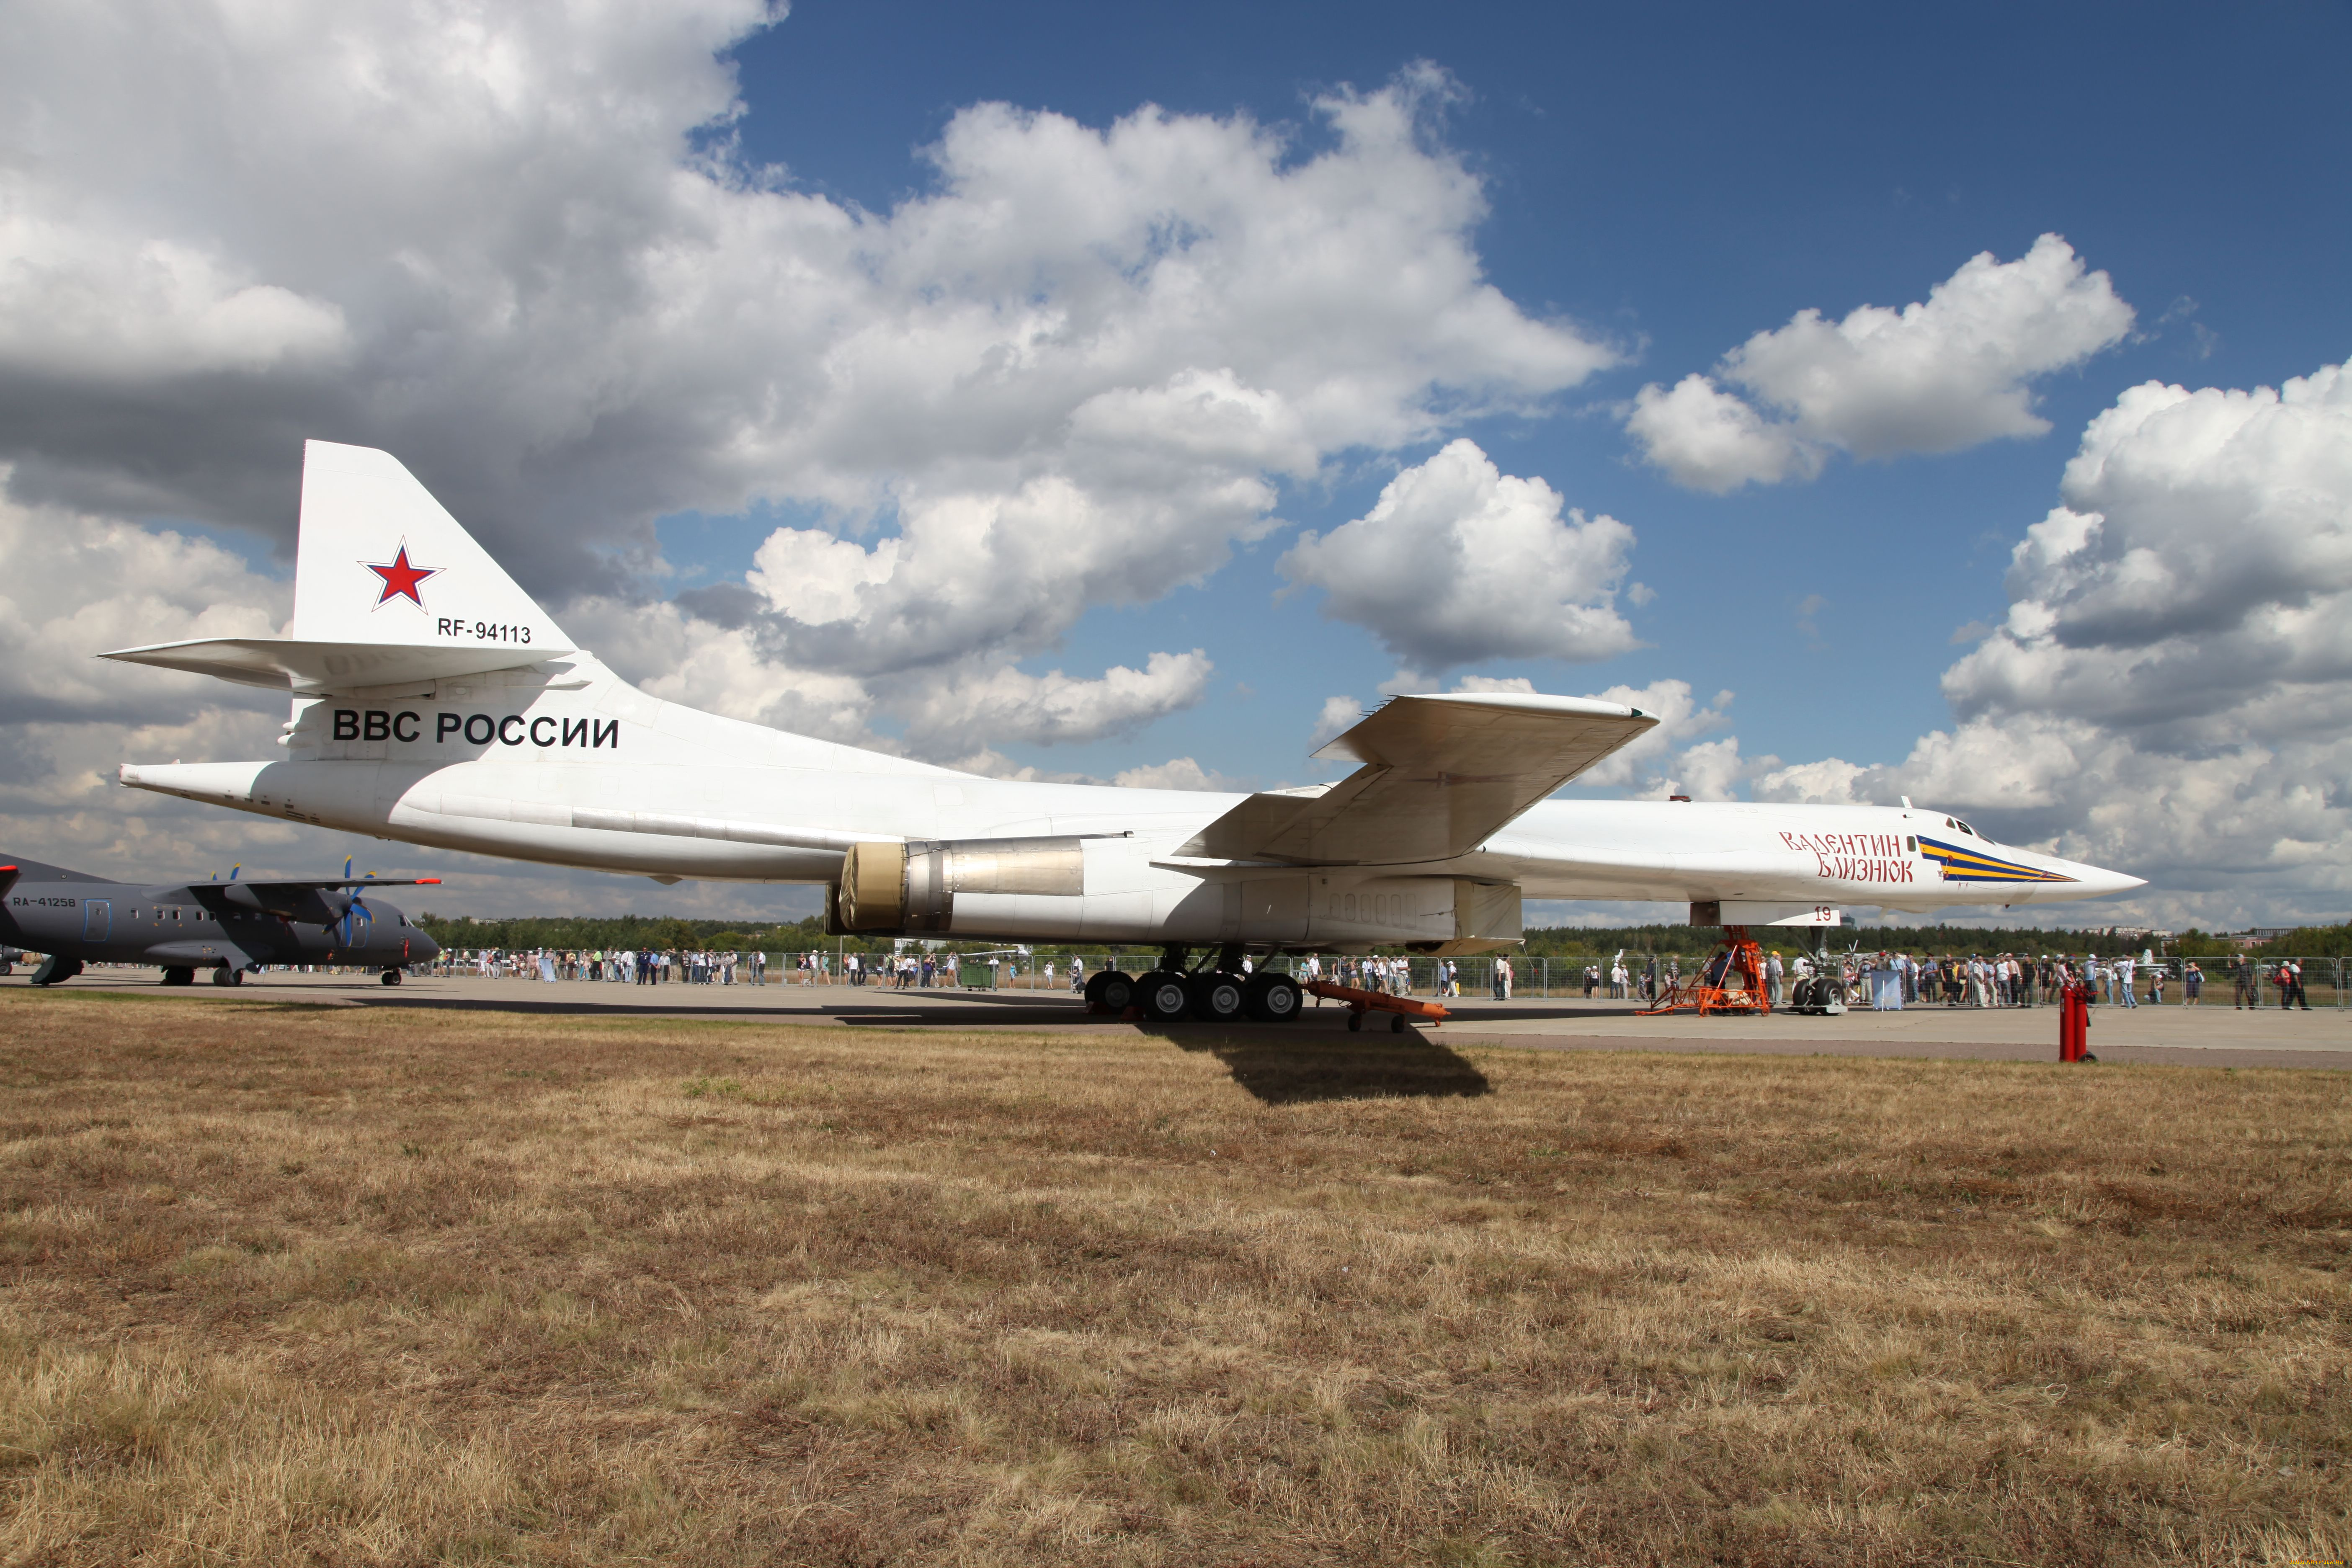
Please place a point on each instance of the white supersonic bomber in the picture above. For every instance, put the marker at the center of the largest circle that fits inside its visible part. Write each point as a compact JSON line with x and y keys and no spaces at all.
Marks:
{"x":434,"y":703}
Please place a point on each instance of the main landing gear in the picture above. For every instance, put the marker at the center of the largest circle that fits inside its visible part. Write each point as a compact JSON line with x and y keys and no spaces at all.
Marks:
{"x":56,"y":970}
{"x":1218,"y":993}
{"x":228,"y":974}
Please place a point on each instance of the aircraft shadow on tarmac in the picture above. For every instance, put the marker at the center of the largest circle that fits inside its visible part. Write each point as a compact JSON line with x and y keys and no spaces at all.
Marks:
{"x":1279,"y":1064}
{"x":1282,"y":1067}
{"x":1002,"y":1010}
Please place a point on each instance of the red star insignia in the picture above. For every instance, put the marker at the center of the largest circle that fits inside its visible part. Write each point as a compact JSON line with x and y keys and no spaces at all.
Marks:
{"x":399,"y":579}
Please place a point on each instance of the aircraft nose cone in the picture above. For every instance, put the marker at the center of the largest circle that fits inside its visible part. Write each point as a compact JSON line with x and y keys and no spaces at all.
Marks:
{"x":2098,"y":882}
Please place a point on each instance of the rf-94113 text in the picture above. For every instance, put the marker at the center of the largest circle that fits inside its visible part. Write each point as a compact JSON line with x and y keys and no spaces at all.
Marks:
{"x":484,"y":631}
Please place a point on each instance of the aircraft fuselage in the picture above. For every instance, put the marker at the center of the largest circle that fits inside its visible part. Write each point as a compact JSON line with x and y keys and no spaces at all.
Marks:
{"x":90,"y":919}
{"x":569,"y":765}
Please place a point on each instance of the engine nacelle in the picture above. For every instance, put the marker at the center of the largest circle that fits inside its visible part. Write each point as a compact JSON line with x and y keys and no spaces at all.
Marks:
{"x":1118,"y":890}
{"x":913,"y":887}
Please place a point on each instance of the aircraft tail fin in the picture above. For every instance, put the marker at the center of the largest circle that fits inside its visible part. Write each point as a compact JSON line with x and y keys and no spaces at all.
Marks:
{"x":379,"y":560}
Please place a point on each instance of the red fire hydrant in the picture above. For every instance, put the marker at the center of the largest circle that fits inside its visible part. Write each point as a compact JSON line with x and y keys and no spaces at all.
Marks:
{"x":2075,"y":1023}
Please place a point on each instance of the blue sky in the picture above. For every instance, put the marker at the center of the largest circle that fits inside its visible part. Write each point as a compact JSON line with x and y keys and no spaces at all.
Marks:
{"x":1678,"y":177}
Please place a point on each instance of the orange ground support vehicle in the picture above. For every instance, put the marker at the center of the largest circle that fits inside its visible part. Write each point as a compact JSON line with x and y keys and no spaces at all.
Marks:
{"x":1398,"y":1008}
{"x":1731,"y":982}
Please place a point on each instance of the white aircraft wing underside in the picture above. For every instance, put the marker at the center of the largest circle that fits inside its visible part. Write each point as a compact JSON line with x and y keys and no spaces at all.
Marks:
{"x":1440,"y":776}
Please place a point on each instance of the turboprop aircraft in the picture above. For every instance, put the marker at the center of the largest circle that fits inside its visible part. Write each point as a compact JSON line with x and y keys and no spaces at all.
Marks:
{"x":434,"y":701}
{"x":226,"y":927}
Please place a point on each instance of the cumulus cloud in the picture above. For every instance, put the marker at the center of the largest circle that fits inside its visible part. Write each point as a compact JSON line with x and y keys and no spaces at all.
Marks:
{"x":1338,"y":714}
{"x":1710,"y":439}
{"x":1006,"y":704}
{"x":73,"y":585}
{"x":2192,"y":586}
{"x":1951,"y":372}
{"x":534,"y":286}
{"x":1458,"y":562}
{"x":2170,"y":691}
{"x":1177,"y":773}
{"x":1650,"y":765}
{"x":519,"y":249}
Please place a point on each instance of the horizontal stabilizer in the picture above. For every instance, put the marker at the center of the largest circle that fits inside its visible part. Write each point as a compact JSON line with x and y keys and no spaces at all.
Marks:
{"x":309,"y":668}
{"x":1441,"y":775}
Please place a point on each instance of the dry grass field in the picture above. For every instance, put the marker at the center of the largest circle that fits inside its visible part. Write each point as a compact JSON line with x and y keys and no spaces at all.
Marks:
{"x":286,"y":1283}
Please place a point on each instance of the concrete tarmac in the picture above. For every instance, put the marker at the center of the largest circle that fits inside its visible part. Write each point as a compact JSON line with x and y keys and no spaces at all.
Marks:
{"x":2206,"y":1035}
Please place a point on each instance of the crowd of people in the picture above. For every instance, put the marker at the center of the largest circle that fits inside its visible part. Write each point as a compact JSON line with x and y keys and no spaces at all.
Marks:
{"x":1978,"y":980}
{"x":2026,"y":980}
{"x":1973,"y":980}
{"x":615,"y":966}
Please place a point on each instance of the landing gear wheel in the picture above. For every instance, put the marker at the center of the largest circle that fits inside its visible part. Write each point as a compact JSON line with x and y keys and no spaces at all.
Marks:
{"x":224,"y":975}
{"x":1273,"y":998}
{"x":1218,"y":997}
{"x":179,"y":974}
{"x":1110,"y":991}
{"x":1354,"y":1021}
{"x":392,"y":977}
{"x":1396,"y":1023}
{"x":1164,"y":996}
